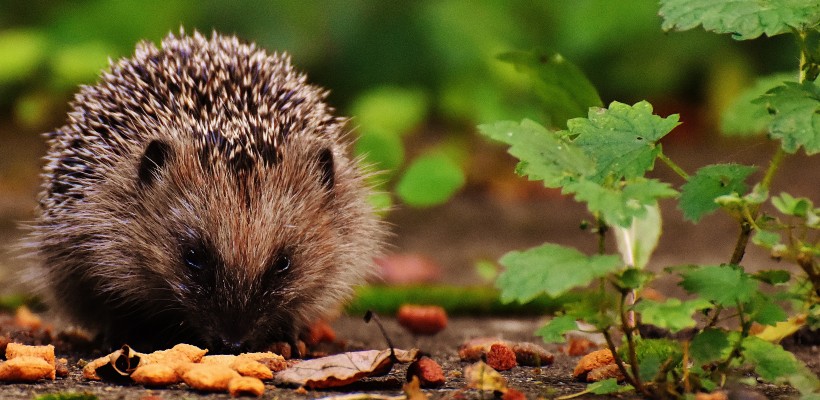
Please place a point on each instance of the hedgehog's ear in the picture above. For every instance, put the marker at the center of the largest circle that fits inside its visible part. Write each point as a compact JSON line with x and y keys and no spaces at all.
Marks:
{"x":326,"y":167}
{"x":153,"y":160}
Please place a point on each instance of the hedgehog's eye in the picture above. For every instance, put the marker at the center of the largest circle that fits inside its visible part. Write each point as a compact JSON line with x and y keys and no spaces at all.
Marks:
{"x":281,"y":263}
{"x":194,"y":259}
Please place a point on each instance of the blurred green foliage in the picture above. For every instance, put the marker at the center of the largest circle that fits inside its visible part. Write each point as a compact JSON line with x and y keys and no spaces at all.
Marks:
{"x":397,"y":67}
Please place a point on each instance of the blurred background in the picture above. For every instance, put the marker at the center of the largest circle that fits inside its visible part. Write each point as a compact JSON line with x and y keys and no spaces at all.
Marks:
{"x":417,"y":77}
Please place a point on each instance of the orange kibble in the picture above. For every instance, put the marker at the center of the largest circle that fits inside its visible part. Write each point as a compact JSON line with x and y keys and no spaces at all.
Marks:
{"x":26,"y":369}
{"x":155,"y":375}
{"x":422,"y":320}
{"x":211,"y":378}
{"x":593,"y":360}
{"x":246,"y":386}
{"x":428,"y":371}
{"x":501,"y":357}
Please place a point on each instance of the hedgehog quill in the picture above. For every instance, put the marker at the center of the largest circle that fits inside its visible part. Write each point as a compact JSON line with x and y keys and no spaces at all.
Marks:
{"x":202,"y":191}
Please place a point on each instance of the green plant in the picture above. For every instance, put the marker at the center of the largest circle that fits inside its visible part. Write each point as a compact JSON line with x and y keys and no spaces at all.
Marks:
{"x":602,"y":161}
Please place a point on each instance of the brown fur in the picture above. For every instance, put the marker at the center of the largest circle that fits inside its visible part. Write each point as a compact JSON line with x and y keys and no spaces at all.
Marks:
{"x":215,"y":146}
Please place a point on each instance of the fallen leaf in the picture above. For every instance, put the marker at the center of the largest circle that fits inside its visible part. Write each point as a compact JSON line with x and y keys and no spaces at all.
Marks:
{"x":343,"y":369}
{"x":413,"y":391}
{"x":482,"y":377}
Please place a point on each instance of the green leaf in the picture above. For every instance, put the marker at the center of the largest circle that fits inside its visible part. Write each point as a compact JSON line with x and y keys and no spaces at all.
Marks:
{"x":742,"y":116}
{"x":554,"y":330}
{"x":710,"y":182}
{"x":632,"y":278}
{"x":20,"y":53}
{"x":672,"y":314}
{"x":710,"y":345}
{"x":770,"y":360}
{"x":773,"y":276}
{"x":544,"y":155}
{"x":390,"y":109}
{"x":789,"y":205}
{"x":623,"y":139}
{"x":550,"y":269}
{"x":430,"y":180}
{"x":796,"y":111}
{"x":653,"y":353}
{"x":619,"y":207}
{"x":607,"y":386}
{"x":767,"y":239}
{"x":563,"y":87}
{"x":744,"y":19}
{"x":725,"y":285}
{"x":764,"y":311}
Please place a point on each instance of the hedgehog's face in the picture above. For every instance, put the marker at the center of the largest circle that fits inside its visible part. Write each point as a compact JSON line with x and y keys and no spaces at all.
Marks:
{"x":252,"y":252}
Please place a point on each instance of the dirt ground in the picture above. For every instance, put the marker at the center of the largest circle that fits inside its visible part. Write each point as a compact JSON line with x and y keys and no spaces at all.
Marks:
{"x":544,"y":382}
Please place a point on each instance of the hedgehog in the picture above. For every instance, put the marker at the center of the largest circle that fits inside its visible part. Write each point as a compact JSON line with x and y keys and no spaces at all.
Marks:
{"x":202,"y":191}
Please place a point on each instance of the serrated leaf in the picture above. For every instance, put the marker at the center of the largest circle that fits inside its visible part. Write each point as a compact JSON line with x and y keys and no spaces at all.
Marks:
{"x":563,"y":87}
{"x":725,"y":285}
{"x":767,"y":239}
{"x":544,"y":155}
{"x":770,"y":360}
{"x":653,"y":353}
{"x":710,"y":345}
{"x":744,"y":19}
{"x":796,"y":116}
{"x":790,"y":205}
{"x":431,"y":179}
{"x":773,"y":276}
{"x":743,"y":117}
{"x":764,"y":311}
{"x":554,"y":330}
{"x":550,"y":269}
{"x":710,"y":182}
{"x":672,"y":314}
{"x":620,"y":206}
{"x":622,"y":139}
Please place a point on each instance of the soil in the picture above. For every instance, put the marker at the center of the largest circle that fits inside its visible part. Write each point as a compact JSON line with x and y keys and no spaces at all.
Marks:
{"x":543,"y":382}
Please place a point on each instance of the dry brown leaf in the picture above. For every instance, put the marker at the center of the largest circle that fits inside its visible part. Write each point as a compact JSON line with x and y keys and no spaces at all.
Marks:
{"x":342,"y":369}
{"x":482,"y":377}
{"x":412,"y":390}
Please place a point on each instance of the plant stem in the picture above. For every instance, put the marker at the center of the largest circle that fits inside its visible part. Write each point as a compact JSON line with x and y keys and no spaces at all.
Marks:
{"x":628,"y":330}
{"x":601,"y":231}
{"x":630,"y":379}
{"x":673,"y":166}
{"x":766,"y":183}
{"x":742,"y":241}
